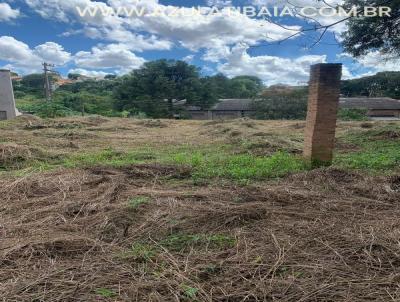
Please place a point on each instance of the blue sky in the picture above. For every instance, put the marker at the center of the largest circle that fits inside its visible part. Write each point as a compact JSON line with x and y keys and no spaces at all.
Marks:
{"x":33,"y":31}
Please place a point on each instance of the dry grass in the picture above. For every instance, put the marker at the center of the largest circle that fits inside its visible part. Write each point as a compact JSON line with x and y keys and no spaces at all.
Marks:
{"x":320,"y":236}
{"x":147,"y":233}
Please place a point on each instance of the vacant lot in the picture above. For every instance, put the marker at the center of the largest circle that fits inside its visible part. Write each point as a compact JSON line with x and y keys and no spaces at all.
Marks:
{"x":97,"y":209}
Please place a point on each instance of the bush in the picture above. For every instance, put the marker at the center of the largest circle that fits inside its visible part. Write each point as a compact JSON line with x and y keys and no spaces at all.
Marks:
{"x":50,"y":110}
{"x":289,"y":105}
{"x":353,"y":114}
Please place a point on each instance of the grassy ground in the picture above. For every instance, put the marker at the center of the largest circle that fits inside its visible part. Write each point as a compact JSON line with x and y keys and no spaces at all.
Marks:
{"x":97,"y":209}
{"x":241,"y":150}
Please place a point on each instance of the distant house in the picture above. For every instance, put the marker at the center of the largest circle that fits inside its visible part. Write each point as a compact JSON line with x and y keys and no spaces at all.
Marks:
{"x":376,"y":107}
{"x":236,"y":108}
{"x":224,"y":109}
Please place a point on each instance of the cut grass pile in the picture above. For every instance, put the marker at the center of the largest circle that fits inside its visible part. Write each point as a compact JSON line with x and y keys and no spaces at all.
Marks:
{"x":95,"y":235}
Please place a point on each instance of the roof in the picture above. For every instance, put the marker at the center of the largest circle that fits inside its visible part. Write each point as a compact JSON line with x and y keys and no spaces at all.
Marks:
{"x":233,"y":104}
{"x":61,"y":81}
{"x":382,"y":103}
{"x":370,"y":103}
{"x":193,"y":108}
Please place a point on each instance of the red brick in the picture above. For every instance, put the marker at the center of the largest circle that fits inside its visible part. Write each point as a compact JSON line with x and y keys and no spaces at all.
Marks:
{"x":323,"y":102}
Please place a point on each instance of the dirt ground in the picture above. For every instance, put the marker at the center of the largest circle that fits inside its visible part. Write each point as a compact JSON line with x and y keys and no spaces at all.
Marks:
{"x":146,"y":233}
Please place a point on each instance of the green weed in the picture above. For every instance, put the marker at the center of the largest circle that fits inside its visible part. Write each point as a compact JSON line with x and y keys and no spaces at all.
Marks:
{"x":140,"y":252}
{"x":136,"y":202}
{"x":105,"y":292}
{"x":379,"y":150}
{"x":189,"y":292}
{"x":240,"y":167}
{"x":107,"y":157}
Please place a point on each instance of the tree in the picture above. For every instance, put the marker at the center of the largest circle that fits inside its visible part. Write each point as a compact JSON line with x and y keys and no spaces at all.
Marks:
{"x":238,"y":87}
{"x":288,"y":104}
{"x":154,"y":87}
{"x":373,"y":33}
{"x":246,"y":86}
{"x":73,"y":76}
{"x":110,"y":77}
{"x":379,"y":85}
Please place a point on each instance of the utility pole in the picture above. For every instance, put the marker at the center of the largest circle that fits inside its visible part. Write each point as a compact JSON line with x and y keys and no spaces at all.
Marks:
{"x":47,"y":84}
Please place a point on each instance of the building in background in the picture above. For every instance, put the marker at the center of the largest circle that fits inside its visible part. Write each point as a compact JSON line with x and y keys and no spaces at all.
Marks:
{"x":377,"y":108}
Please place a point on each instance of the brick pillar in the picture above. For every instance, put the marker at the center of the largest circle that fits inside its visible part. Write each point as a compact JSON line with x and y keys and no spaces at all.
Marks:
{"x":323,"y":102}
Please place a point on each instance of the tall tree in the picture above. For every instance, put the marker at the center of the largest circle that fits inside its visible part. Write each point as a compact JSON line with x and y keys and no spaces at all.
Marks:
{"x":373,"y":33}
{"x":154,"y":87}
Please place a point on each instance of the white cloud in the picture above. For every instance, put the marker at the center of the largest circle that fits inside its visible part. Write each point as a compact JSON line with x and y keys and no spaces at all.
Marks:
{"x":202,"y":31}
{"x":14,"y":50}
{"x":371,"y":64}
{"x":219,"y":3}
{"x":109,"y":27}
{"x":53,"y":53}
{"x":188,"y":58}
{"x":20,"y":57}
{"x":270,"y":69}
{"x":112,"y":56}
{"x":26,"y":60}
{"x":7,"y":13}
{"x":379,"y":62}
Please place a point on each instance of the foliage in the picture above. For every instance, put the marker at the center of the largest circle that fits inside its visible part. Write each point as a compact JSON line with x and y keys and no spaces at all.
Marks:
{"x":189,"y":292}
{"x":289,"y":105}
{"x":373,"y":33}
{"x":353,"y":114}
{"x":136,"y":202}
{"x":237,"y":87}
{"x":180,"y":242}
{"x":141,"y":252}
{"x":383,"y":84}
{"x":105,"y":293}
{"x":48,"y":109}
{"x":153,"y":88}
{"x":150,"y":91}
{"x":108,"y":157}
{"x":86,"y":103}
{"x":379,"y":150}
{"x":242,"y":167}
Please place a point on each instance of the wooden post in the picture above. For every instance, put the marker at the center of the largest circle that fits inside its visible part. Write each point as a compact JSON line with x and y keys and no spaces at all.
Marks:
{"x":323,"y":103}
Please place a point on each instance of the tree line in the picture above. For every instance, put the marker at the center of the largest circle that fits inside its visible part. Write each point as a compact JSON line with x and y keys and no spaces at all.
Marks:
{"x":152,"y":91}
{"x":157,"y":89}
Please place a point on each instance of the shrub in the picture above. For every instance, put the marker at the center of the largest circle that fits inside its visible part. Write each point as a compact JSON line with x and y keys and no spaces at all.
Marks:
{"x":353,"y":114}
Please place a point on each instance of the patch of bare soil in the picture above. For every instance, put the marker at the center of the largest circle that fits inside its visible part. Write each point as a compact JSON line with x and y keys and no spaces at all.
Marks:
{"x":76,"y":235}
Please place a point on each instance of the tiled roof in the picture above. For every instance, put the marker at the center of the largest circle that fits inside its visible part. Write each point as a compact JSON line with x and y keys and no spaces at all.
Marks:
{"x":234,"y":104}
{"x":370,"y":103}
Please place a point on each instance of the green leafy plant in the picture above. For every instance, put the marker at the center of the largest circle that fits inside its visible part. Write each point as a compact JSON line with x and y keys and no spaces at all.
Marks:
{"x":105,"y":292}
{"x":136,"y":202}
{"x":140,"y":252}
{"x":189,"y":292}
